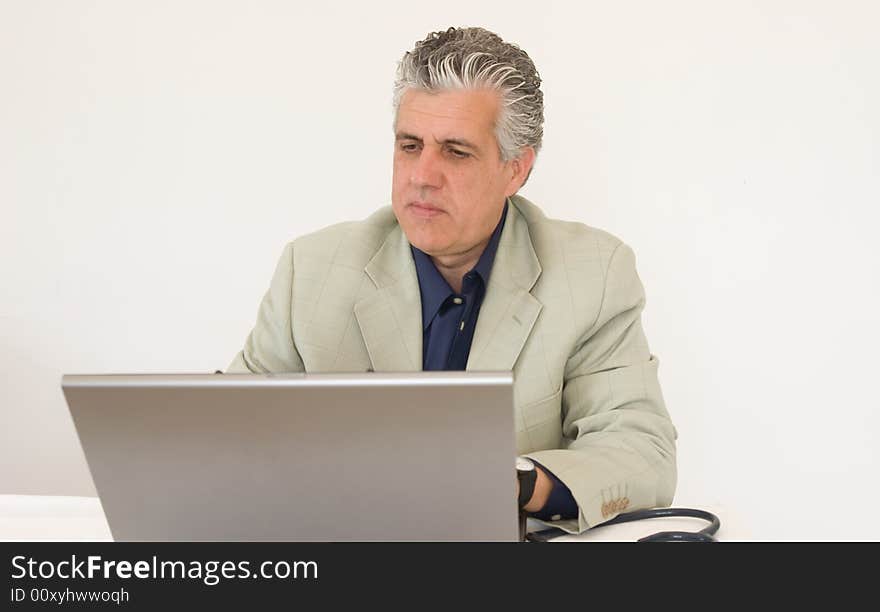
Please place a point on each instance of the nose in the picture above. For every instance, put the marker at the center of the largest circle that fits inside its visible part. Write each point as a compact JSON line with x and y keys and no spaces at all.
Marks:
{"x":426,"y":170}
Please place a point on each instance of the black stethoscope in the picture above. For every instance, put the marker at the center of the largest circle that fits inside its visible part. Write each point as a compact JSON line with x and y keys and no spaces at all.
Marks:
{"x":704,"y":535}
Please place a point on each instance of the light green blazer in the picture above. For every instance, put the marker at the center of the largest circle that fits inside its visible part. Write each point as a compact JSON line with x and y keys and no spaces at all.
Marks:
{"x":562,"y":311}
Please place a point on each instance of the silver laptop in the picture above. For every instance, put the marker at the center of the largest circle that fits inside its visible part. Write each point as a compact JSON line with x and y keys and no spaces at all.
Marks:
{"x":425,"y":456}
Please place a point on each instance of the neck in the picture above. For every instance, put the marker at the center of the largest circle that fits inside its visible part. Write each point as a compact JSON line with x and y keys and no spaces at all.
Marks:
{"x":453,"y":267}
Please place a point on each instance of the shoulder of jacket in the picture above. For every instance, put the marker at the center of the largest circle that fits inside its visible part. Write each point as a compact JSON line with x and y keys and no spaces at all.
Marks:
{"x":353,"y":237}
{"x":548,"y":233}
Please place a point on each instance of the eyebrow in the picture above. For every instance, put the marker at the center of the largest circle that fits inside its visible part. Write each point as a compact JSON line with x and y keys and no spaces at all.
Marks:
{"x":461,"y":142}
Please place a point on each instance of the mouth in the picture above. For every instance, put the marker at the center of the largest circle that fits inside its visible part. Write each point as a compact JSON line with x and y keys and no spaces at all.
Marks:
{"x":424,"y":210}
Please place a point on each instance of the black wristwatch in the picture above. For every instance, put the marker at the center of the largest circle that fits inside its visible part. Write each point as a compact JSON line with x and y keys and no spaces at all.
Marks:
{"x":527,"y":474}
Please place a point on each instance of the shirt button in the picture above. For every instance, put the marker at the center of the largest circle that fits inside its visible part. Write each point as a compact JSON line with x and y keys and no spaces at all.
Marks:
{"x":456,"y":300}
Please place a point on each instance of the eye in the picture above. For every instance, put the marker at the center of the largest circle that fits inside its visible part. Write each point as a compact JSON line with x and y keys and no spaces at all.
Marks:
{"x":459,"y":154}
{"x":409,"y":147}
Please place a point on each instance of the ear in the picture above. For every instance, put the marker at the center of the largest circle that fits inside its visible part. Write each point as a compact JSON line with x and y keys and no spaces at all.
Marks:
{"x":521,"y":166}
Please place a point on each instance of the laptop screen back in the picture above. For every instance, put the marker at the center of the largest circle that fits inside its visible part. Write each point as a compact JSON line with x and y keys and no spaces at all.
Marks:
{"x":425,"y":456}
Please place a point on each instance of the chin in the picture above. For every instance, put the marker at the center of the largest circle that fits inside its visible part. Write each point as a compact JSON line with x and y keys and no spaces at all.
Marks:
{"x":421,"y":233}
{"x":426,"y":246}
{"x":424,"y":241}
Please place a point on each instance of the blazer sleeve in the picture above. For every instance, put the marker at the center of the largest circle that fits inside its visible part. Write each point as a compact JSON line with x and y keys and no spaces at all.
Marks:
{"x":618,"y":440}
{"x":270,"y":346}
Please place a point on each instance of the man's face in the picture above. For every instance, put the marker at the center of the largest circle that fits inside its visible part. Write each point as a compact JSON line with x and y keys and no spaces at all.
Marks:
{"x":450,"y":183}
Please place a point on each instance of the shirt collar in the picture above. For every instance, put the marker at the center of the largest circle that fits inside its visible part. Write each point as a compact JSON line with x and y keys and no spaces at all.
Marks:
{"x":433,"y":287}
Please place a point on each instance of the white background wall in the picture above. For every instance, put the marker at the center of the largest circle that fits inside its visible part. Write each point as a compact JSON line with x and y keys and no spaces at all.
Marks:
{"x":155,"y":156}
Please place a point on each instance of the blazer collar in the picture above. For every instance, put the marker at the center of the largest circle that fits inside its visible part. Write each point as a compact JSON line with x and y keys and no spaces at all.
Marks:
{"x":391,"y":318}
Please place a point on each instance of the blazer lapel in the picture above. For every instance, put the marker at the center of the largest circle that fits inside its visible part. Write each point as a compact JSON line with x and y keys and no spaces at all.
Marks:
{"x":391,"y":318}
{"x":509,"y":311}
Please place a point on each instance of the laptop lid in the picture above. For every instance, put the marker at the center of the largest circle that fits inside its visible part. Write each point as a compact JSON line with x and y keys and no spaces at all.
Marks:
{"x":425,"y":456}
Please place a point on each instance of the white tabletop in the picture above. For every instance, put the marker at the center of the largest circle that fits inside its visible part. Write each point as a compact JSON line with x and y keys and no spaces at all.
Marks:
{"x":52,"y":517}
{"x":81,"y":519}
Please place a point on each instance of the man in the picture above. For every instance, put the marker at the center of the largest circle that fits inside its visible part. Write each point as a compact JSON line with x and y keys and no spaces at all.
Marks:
{"x":462,"y":273}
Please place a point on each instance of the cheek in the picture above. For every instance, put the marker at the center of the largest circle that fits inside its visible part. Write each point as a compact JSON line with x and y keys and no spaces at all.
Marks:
{"x":398,"y":183}
{"x":476,"y":193}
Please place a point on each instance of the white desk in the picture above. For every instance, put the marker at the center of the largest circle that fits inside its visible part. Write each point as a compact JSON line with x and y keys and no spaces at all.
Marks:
{"x":81,"y":519}
{"x":52,"y":517}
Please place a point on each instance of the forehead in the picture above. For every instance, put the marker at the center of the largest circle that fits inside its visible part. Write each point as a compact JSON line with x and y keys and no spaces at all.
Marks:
{"x":462,"y":113}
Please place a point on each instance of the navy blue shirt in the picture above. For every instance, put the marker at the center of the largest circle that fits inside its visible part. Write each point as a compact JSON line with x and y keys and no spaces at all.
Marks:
{"x":448,"y":323}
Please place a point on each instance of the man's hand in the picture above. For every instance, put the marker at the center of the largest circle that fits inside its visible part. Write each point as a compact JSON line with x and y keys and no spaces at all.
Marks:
{"x":543,"y":486}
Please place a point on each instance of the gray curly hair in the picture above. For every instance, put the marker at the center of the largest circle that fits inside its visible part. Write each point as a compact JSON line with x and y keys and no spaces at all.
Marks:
{"x":472,"y":58}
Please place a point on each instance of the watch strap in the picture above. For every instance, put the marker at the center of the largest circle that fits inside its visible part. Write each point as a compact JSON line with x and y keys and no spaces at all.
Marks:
{"x":527,"y":480}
